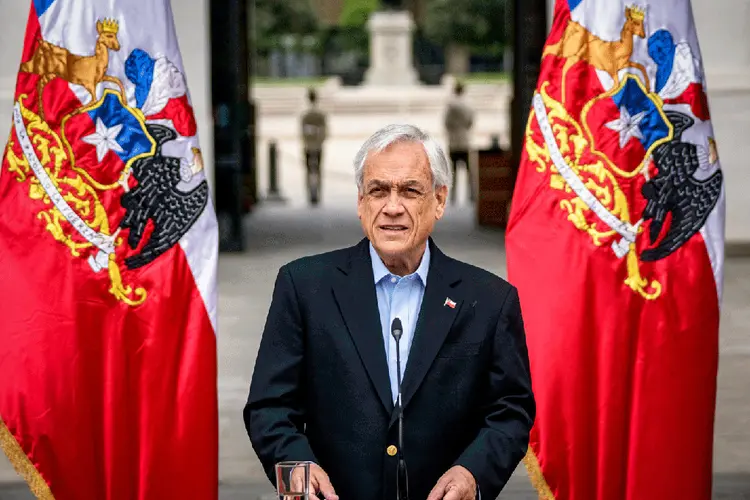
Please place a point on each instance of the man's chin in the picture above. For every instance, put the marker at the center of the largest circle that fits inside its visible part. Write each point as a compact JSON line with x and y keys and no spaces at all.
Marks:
{"x":390,"y":245}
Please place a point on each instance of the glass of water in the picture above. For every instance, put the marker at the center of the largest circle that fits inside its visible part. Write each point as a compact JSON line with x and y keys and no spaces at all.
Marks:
{"x":293,"y":480}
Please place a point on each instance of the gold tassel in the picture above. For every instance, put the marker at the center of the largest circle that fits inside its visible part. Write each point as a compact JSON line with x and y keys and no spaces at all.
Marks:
{"x":536,"y":476}
{"x":23,"y":465}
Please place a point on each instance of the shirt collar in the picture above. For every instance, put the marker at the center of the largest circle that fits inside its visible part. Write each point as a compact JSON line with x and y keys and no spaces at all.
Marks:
{"x":379,"y":271}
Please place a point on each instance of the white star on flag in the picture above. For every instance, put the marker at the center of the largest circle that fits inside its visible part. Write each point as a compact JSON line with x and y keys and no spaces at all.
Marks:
{"x":104,"y":139}
{"x":627,"y":125}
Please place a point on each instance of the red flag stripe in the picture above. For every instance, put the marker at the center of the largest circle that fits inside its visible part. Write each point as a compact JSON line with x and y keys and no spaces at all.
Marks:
{"x":8,"y":442}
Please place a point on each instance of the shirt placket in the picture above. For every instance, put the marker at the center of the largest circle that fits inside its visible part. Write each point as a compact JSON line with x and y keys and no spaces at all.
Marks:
{"x":400,"y":309}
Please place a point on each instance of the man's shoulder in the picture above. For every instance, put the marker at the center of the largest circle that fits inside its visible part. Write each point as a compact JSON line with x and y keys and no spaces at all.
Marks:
{"x":481,"y":280}
{"x":319,"y":265}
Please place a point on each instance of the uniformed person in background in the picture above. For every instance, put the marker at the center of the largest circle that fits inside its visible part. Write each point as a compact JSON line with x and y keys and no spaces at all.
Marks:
{"x":459,"y":118}
{"x":314,"y":133}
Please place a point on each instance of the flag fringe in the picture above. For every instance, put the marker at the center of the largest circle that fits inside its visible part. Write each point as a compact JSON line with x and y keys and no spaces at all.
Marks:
{"x":23,"y":465}
{"x":537,"y":476}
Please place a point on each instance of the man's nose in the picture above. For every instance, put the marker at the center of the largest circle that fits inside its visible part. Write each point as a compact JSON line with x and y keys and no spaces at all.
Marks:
{"x":394,"y":206}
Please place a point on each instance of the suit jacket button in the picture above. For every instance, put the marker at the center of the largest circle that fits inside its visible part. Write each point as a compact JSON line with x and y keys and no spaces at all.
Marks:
{"x":391,"y":450}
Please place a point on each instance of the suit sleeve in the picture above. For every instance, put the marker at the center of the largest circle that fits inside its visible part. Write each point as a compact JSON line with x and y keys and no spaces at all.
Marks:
{"x":275,"y":413}
{"x":509,"y":407}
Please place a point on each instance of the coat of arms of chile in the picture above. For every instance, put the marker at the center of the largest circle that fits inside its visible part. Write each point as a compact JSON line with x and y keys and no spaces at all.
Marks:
{"x":114,"y":179}
{"x":628,"y":176}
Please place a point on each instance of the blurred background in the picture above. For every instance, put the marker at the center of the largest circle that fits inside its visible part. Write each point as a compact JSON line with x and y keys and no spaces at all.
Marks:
{"x":250,"y":67}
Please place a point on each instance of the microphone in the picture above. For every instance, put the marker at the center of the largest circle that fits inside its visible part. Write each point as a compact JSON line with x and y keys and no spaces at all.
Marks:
{"x":402,"y":480}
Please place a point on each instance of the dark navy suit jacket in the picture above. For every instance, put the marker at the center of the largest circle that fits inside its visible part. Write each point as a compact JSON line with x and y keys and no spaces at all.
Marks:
{"x":320,"y":390}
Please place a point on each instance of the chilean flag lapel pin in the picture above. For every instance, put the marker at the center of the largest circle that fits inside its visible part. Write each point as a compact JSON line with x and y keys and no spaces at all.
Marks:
{"x":449,"y":303}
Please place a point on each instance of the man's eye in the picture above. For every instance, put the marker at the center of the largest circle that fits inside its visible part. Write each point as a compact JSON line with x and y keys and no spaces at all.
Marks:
{"x":377,"y":191}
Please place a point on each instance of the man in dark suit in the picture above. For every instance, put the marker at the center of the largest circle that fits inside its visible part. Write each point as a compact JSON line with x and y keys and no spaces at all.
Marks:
{"x":324,"y":387}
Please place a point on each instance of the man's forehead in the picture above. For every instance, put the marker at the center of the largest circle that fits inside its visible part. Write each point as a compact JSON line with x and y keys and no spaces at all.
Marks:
{"x":411,"y":166}
{"x":405,"y":149}
{"x":397,"y":176}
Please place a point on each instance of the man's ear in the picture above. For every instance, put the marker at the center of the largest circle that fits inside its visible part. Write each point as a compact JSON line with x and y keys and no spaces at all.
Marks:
{"x":441,"y":194}
{"x":360,"y":203}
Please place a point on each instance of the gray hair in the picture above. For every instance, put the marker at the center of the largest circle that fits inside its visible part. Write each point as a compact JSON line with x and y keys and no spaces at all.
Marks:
{"x":392,"y":134}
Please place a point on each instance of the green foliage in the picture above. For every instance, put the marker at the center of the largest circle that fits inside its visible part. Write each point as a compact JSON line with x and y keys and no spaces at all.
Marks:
{"x":355,"y":13}
{"x":275,"y":19}
{"x":480,"y":24}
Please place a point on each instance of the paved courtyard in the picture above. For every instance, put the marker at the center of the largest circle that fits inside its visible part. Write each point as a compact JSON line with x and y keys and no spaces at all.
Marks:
{"x":279,"y":233}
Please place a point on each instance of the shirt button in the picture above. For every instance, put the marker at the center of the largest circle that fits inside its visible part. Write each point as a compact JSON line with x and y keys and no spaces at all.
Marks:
{"x":391,"y":450}
{"x":393,"y":279}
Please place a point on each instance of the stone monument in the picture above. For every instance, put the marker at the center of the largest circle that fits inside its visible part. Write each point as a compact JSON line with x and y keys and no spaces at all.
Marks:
{"x":391,"y":48}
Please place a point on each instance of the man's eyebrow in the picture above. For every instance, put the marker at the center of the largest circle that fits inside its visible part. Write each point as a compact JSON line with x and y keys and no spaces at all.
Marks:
{"x":411,"y":183}
{"x":378,"y":183}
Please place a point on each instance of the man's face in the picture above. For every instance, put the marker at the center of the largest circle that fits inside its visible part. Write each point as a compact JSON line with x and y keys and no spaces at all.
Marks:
{"x":397,"y":205}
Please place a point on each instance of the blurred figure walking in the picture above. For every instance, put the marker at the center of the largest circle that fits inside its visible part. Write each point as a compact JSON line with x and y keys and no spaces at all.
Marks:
{"x":459,"y":118}
{"x":314,"y":133}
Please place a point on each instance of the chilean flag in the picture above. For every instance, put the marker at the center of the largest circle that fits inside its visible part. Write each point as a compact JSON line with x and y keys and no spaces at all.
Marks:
{"x":615,"y":242}
{"x":108,"y":301}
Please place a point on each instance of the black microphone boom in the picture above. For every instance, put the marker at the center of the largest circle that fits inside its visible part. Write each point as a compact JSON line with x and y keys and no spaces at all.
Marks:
{"x":402,"y":479}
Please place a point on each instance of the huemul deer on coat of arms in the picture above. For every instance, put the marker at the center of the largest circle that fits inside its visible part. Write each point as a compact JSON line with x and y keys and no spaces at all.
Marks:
{"x":50,"y":61}
{"x":579,"y":44}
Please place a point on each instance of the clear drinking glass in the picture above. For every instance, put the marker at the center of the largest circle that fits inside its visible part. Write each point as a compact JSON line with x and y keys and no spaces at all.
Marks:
{"x":293,"y":480}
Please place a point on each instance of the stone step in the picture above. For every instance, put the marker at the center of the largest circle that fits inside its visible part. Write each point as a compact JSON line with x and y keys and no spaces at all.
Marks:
{"x":333,"y":98}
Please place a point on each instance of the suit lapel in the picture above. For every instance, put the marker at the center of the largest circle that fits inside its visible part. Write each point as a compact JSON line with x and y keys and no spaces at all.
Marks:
{"x":435,"y":321}
{"x":354,"y":290}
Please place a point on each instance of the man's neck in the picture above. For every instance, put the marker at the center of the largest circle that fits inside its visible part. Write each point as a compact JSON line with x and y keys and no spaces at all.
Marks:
{"x":404,"y":265}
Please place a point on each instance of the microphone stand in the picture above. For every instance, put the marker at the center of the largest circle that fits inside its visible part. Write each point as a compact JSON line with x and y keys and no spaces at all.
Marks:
{"x":402,"y":481}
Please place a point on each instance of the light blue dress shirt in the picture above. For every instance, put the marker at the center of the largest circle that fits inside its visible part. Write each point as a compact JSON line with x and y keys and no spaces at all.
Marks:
{"x":398,"y":297}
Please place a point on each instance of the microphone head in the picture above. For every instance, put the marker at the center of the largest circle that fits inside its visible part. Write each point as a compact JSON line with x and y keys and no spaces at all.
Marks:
{"x":396,"y":328}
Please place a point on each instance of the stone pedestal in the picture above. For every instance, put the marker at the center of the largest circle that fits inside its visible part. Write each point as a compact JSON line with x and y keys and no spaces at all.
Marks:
{"x":391,"y":49}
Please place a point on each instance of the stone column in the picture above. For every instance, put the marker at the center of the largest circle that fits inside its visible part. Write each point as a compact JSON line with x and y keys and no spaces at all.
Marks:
{"x":391,"y":49}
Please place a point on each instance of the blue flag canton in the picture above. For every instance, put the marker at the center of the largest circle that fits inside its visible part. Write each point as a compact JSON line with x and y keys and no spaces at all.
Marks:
{"x":131,"y":138}
{"x":654,"y":126}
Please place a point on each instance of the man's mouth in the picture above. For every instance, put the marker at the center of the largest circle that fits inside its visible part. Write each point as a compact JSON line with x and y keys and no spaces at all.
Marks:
{"x":393,"y":227}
